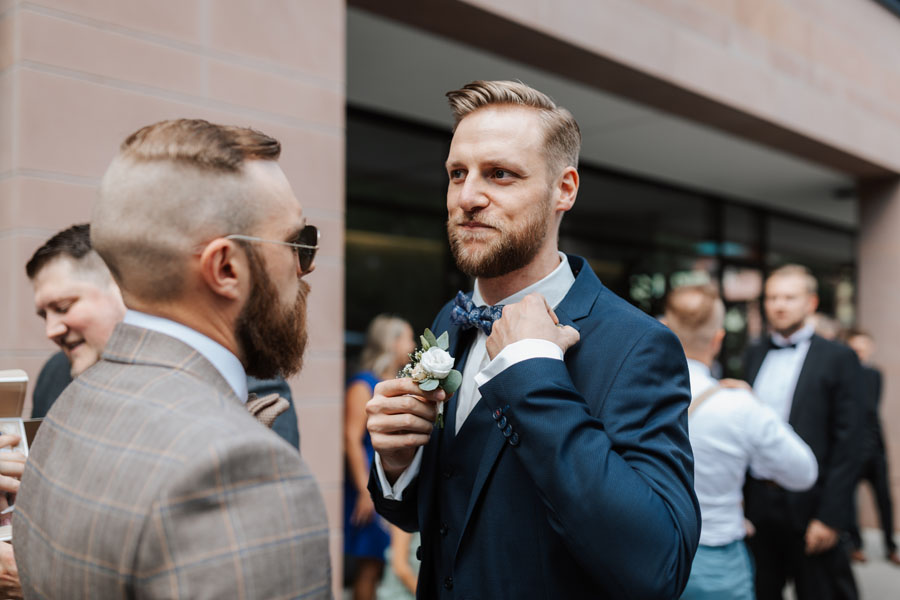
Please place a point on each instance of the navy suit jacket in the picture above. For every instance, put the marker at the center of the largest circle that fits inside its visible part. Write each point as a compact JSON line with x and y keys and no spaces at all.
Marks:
{"x":595,"y":500}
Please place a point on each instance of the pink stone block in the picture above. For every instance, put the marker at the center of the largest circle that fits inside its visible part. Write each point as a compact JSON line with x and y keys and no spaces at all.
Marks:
{"x":175,"y":19}
{"x":98,"y":51}
{"x":320,"y":381}
{"x":50,"y":205}
{"x":321,"y":442}
{"x":275,"y":93}
{"x":307,"y":36}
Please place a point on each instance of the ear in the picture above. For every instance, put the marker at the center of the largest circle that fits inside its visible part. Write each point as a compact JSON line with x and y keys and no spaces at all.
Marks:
{"x":813,"y":303}
{"x":717,"y":341}
{"x":567,"y":189}
{"x":224,"y":268}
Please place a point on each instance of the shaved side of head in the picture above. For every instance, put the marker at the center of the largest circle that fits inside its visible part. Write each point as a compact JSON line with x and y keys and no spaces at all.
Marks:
{"x":173,"y":186}
{"x":695,"y":313}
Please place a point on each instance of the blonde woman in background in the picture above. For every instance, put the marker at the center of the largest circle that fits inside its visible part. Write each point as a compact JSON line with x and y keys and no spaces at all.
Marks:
{"x":389,"y":341}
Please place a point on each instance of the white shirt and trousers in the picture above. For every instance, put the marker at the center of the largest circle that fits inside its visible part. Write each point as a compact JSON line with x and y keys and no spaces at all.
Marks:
{"x":730,"y":430}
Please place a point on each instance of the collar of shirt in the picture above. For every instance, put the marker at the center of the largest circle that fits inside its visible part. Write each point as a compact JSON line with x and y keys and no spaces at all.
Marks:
{"x":804,"y":334}
{"x":701,"y":377}
{"x":224,"y":361}
{"x":553,"y":287}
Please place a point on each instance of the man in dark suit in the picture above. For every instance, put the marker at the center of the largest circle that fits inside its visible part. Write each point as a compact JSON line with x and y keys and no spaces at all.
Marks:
{"x":814,"y":384}
{"x":563,"y":467}
{"x":874,"y":457}
{"x":80,"y":304}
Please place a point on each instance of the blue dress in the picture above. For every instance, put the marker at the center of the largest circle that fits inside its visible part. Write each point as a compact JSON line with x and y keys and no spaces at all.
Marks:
{"x":370,"y":540}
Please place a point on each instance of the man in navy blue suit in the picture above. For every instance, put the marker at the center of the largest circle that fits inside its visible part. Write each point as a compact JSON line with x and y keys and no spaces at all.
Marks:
{"x":563,"y":467}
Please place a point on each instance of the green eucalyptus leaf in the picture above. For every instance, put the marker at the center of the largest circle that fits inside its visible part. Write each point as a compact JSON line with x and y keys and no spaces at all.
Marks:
{"x":427,"y":385}
{"x":452,"y":382}
{"x":443,"y":342}
{"x":424,"y":342}
{"x":429,"y":337}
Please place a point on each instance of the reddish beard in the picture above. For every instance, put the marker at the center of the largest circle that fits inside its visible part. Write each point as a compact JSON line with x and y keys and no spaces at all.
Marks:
{"x":272,"y":337}
{"x":513,"y":249}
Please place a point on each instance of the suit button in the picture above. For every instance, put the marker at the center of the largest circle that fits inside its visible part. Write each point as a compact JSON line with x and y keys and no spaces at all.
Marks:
{"x":497,"y":414}
{"x":514,"y":439}
{"x":419,"y":553}
{"x":502,"y":422}
{"x":508,"y":431}
{"x":448,"y":473}
{"x":448,"y":583}
{"x":444,"y":529}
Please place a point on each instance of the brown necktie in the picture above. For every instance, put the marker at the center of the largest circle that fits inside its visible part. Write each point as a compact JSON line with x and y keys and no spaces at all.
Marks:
{"x":266,"y":409}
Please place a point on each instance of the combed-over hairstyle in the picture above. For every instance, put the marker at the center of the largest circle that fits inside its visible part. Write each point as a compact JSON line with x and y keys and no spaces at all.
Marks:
{"x":796,"y":270}
{"x":73,"y":243}
{"x":695,"y":313}
{"x":173,"y":185}
{"x":562,"y":140}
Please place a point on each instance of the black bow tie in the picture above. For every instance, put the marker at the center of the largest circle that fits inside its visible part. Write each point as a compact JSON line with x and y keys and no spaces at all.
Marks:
{"x":774,"y":346}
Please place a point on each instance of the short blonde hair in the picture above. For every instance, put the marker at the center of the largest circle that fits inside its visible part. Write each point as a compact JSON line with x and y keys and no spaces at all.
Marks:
{"x":171,"y":185}
{"x":562,"y":140}
{"x":695,"y":313}
{"x":797,"y":270}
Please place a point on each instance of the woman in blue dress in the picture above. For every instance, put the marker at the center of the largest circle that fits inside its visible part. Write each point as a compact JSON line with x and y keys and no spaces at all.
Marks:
{"x":389,"y":341}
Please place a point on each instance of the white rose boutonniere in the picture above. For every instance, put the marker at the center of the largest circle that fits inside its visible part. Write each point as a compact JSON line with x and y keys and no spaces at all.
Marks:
{"x":431,"y":366}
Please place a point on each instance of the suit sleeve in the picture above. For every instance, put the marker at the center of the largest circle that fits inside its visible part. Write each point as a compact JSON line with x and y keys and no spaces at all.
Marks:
{"x":841,"y":465}
{"x":401,"y":513}
{"x":244,"y":519}
{"x":618,"y":487}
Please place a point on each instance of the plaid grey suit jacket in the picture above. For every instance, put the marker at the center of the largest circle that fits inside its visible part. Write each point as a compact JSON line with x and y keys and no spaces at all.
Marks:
{"x":149,"y":479}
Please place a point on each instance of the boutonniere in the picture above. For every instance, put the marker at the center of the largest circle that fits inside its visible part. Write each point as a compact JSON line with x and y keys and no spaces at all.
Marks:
{"x":431,"y":367}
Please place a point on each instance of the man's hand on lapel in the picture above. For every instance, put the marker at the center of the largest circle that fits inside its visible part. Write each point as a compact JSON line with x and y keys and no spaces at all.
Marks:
{"x":400,"y":419}
{"x":531,"y":318}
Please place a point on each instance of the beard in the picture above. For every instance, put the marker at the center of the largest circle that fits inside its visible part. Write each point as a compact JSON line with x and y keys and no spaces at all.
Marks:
{"x":514,"y":247}
{"x":272,"y":337}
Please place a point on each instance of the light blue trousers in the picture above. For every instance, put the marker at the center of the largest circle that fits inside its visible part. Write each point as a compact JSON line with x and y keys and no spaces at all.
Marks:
{"x":721,"y":573}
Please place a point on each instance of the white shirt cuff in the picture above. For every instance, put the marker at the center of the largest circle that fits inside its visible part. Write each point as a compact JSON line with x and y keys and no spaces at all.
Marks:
{"x":395,"y":492}
{"x":516,"y":353}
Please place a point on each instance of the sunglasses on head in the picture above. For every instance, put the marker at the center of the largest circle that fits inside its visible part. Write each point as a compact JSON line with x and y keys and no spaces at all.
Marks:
{"x":305,"y":245}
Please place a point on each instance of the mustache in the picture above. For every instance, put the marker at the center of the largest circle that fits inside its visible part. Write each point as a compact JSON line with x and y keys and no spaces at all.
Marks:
{"x":471,"y":220}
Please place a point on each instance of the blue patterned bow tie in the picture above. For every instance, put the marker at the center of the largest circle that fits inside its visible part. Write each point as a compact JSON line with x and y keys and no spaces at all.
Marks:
{"x":466,"y":314}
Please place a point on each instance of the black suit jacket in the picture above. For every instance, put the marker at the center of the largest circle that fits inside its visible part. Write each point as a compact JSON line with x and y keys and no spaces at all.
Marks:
{"x":827,"y":413}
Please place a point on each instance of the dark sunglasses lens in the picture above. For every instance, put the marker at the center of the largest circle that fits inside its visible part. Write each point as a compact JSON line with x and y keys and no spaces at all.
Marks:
{"x":309,"y":236}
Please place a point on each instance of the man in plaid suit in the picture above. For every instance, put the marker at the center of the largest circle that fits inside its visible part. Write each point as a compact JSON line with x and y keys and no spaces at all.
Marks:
{"x":149,"y":478}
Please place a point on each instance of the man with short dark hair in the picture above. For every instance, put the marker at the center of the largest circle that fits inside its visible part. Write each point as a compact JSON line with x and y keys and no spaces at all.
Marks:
{"x":814,"y":384}
{"x":563,"y":467}
{"x":80,"y":303}
{"x":149,"y":478}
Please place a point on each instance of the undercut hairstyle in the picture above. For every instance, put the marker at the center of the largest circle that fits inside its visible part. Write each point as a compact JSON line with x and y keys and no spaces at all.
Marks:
{"x":562,"y":138}
{"x":795,"y":270}
{"x":74,"y":244}
{"x":173,"y":186}
{"x":695,"y":313}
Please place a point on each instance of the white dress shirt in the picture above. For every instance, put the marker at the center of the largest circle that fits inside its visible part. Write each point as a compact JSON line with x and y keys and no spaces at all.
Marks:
{"x":480,"y":369}
{"x":777,"y":378}
{"x":221,"y":358}
{"x":730,"y":431}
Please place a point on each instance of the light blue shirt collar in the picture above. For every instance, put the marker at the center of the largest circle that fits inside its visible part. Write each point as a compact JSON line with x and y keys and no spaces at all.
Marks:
{"x":553,"y":287}
{"x":221,"y":358}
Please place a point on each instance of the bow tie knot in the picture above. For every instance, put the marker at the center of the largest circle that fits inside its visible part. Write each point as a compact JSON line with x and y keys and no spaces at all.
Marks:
{"x":466,"y":314}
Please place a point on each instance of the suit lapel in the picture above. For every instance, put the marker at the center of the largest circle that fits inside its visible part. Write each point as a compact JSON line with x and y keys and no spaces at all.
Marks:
{"x":575,"y":306}
{"x":806,"y":376}
{"x":755,"y":360}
